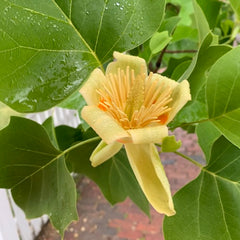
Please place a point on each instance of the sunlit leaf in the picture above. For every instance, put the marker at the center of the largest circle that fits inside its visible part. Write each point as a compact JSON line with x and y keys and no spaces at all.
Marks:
{"x":158,"y":41}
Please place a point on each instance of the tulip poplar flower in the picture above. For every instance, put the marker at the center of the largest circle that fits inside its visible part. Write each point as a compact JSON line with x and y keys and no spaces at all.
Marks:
{"x":128,"y":107}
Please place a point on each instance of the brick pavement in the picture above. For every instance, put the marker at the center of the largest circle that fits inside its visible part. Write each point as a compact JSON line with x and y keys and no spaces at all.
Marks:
{"x":98,"y":220}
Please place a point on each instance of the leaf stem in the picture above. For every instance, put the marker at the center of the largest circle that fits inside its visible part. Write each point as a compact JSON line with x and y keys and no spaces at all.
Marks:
{"x":184,"y":156}
{"x":189,"y":159}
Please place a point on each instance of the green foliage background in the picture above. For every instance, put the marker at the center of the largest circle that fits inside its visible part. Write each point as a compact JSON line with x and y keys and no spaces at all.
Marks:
{"x":49,"y":48}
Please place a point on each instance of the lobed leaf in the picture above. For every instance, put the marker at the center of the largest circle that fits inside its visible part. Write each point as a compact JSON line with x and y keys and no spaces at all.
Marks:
{"x":36,"y":173}
{"x":223,"y":86}
{"x":208,"y":207}
{"x":47,"y":50}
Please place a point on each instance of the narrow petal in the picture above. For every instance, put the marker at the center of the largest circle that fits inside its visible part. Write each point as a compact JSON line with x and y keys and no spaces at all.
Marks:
{"x":123,"y":61}
{"x":147,"y":167}
{"x":92,"y":84}
{"x":148,"y":134}
{"x":103,"y":124}
{"x":104,"y":151}
{"x":181,"y":95}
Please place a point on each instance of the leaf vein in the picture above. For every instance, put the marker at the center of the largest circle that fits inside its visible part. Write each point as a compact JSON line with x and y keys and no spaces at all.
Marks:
{"x":21,"y":66}
{"x":222,"y":208}
{"x":121,"y":35}
{"x":35,"y":12}
{"x":198,"y":206}
{"x":100,"y":25}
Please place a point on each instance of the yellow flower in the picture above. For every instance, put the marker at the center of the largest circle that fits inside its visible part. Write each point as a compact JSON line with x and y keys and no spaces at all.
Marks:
{"x":127,"y":106}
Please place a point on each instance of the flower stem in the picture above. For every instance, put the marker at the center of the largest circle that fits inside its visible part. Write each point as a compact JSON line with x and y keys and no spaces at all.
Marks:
{"x":189,"y":159}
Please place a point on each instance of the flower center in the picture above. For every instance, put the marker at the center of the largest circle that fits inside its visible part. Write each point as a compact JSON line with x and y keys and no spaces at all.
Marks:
{"x":135,"y":101}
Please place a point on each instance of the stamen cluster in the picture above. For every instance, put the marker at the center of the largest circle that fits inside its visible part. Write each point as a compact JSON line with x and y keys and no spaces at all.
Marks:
{"x":135,"y":101}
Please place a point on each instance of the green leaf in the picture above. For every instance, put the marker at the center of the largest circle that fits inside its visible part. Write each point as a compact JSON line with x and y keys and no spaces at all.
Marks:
{"x":202,"y":23}
{"x":180,"y":69}
{"x":169,"y":24}
{"x":183,"y":32}
{"x":206,"y":58}
{"x":115,"y":177}
{"x":173,"y":64}
{"x":236,"y":7}
{"x":208,"y":208}
{"x":223,"y":87}
{"x":211,"y":10}
{"x":196,"y":74}
{"x":132,"y":23}
{"x":48,"y":124}
{"x":169,"y":144}
{"x":158,"y":41}
{"x":207,"y":135}
{"x":186,"y":10}
{"x":66,"y":136}
{"x":74,"y":101}
{"x":204,"y":45}
{"x":36,"y":173}
{"x":47,"y":50}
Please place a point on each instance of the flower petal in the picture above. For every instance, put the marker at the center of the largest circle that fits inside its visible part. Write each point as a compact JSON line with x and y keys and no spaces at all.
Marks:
{"x":181,"y":95}
{"x":147,"y":167}
{"x":148,"y":134}
{"x":123,"y":60}
{"x":92,"y":84}
{"x":167,"y":81}
{"x":104,"y":151}
{"x":103,"y":124}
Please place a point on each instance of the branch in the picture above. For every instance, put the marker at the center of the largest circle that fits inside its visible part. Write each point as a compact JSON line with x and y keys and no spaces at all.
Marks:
{"x":159,"y":61}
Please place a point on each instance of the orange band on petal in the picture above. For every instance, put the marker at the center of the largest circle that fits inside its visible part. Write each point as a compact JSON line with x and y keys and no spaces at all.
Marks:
{"x":101,"y":105}
{"x":163,"y":118}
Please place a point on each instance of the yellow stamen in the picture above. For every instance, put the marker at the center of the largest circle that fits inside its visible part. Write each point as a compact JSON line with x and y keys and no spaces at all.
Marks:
{"x":134,"y":100}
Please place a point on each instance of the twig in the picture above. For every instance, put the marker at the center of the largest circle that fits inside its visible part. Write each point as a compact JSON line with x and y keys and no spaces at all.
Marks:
{"x":159,"y":61}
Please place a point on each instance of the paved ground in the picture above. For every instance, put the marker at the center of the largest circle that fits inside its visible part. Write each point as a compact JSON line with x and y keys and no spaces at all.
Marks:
{"x":98,"y":220}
